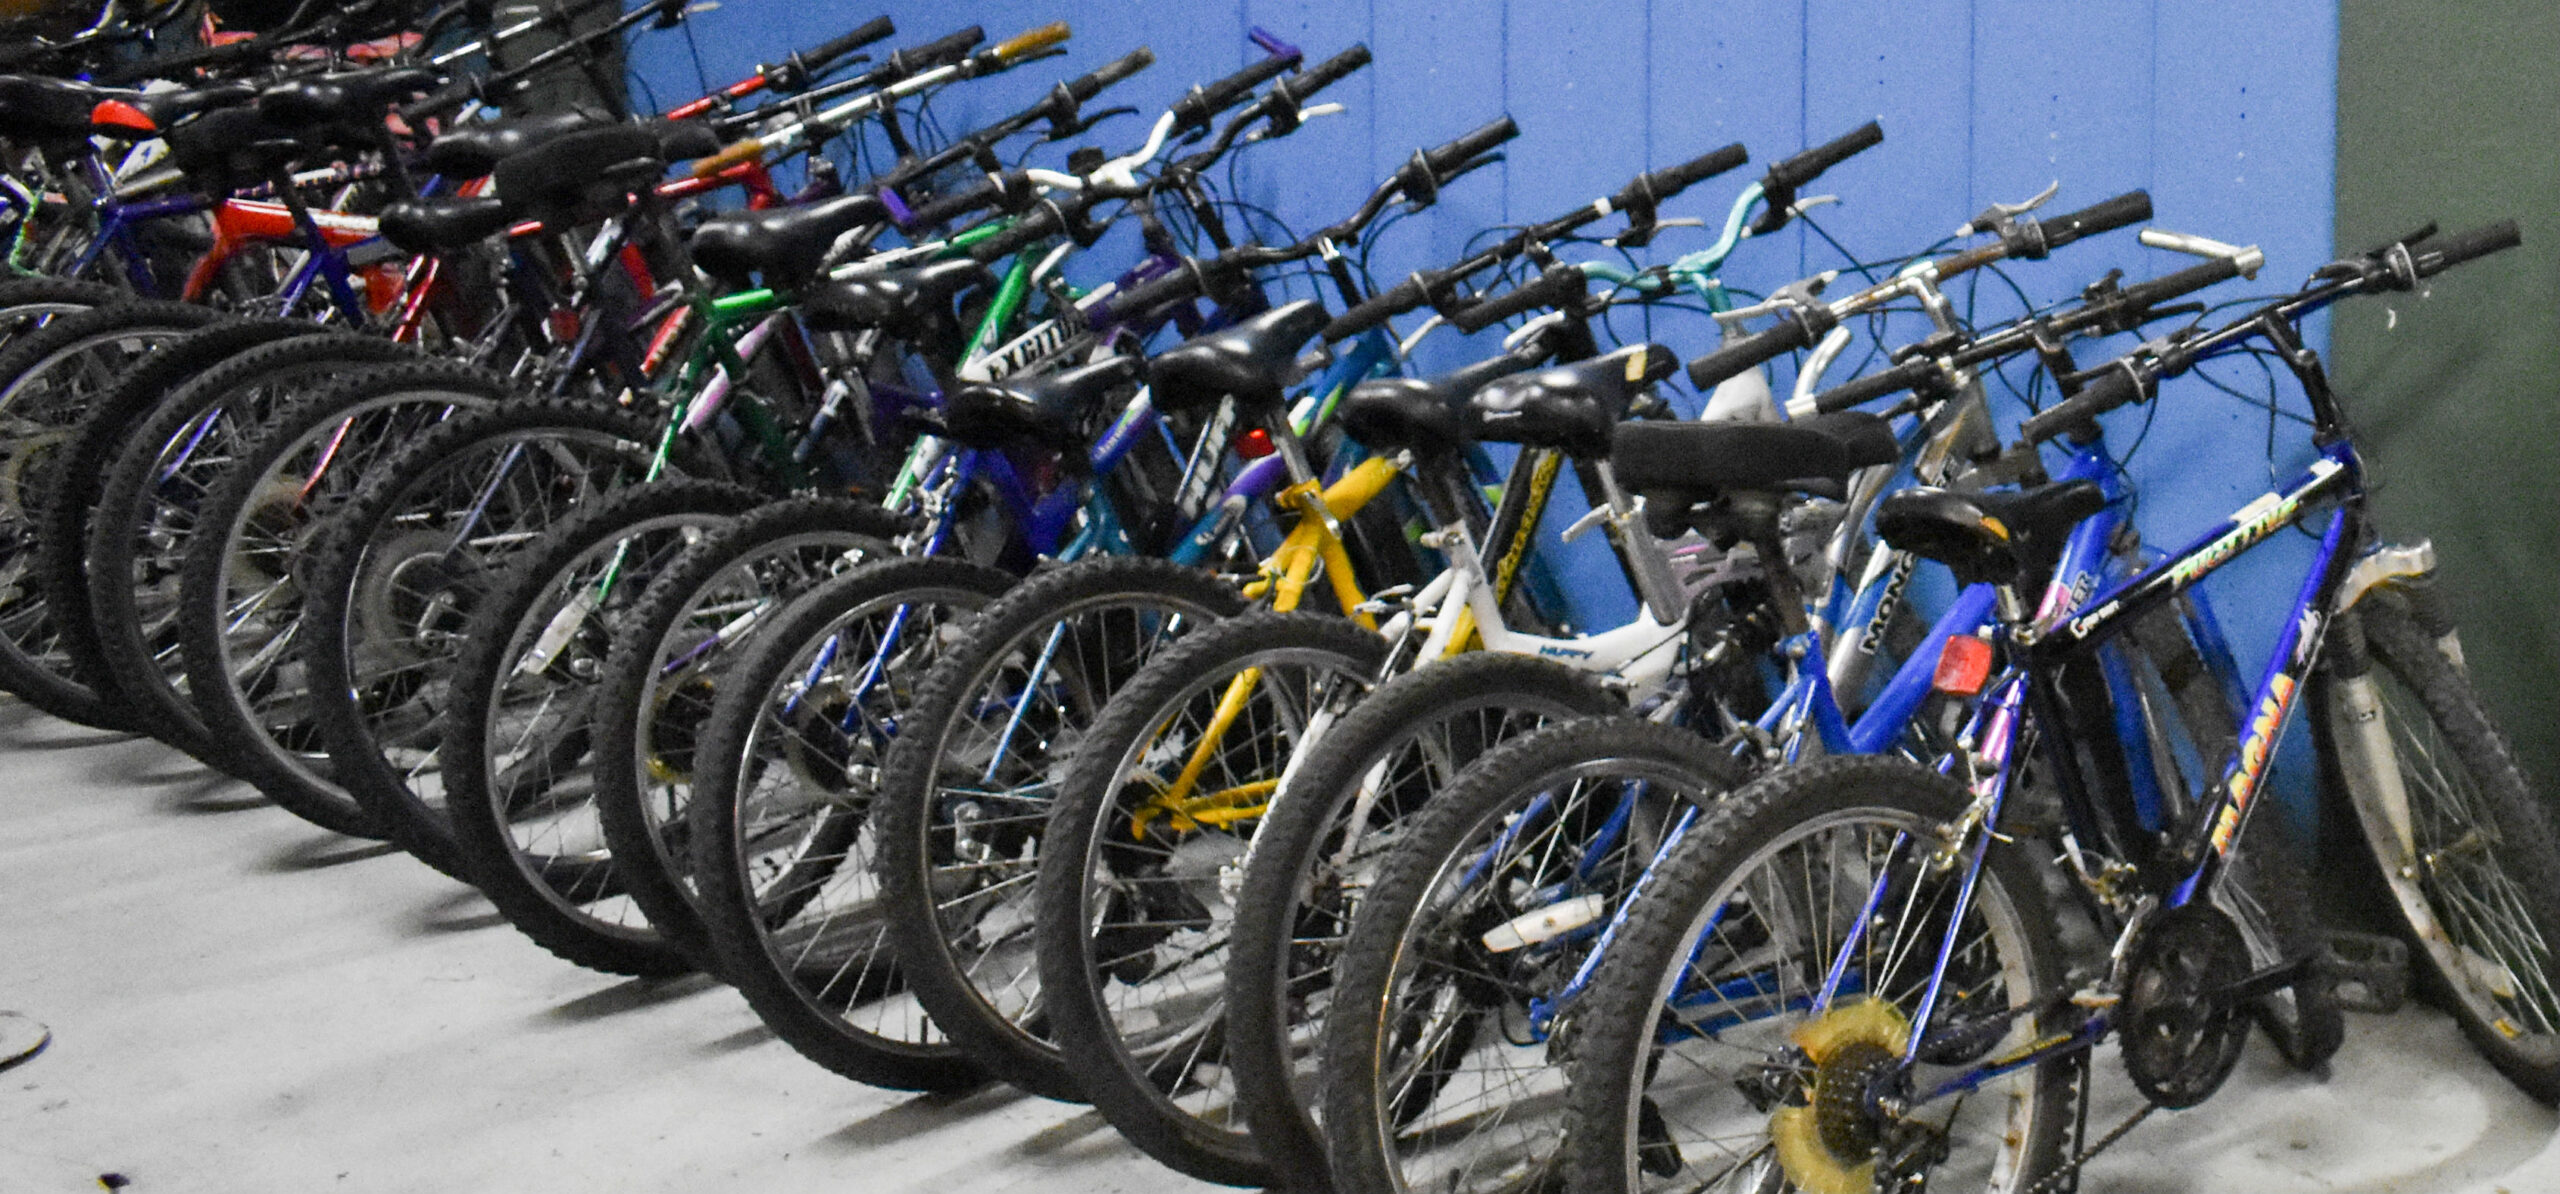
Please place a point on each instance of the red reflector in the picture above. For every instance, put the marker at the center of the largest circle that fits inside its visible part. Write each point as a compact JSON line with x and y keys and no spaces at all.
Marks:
{"x":1254,"y":444}
{"x":564,"y":325}
{"x":1963,"y":665}
{"x":117,"y":114}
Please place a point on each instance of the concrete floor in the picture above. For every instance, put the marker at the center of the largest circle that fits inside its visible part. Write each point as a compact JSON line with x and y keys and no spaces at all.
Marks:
{"x":243,"y":1003}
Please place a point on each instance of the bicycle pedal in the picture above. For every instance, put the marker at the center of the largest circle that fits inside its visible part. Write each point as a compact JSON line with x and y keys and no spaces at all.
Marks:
{"x":2372,"y":971}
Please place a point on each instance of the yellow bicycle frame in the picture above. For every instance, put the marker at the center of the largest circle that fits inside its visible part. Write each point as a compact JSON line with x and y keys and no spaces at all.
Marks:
{"x":1315,"y":540}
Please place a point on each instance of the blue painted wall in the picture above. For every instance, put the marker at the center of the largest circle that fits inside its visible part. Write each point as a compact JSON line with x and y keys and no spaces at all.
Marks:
{"x":2225,"y":112}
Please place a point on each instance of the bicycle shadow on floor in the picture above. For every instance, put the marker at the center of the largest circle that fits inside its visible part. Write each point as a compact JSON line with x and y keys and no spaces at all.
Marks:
{"x":325,"y":851}
{"x":460,"y":911}
{"x":925,"y":1113}
{"x":631,"y":995}
{"x":25,"y":727}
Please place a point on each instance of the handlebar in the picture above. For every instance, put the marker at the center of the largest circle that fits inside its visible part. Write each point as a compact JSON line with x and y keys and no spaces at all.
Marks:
{"x":1193,"y":112}
{"x":1032,"y":41}
{"x":2465,"y":246}
{"x":1435,"y":286}
{"x":1778,"y":187}
{"x":1907,"y":375}
{"x":1298,"y":87}
{"x":1797,"y":328}
{"x":798,"y":69}
{"x":2031,"y":239}
{"x":2133,"y":379}
{"x":1442,"y":160}
{"x":1642,"y":197}
{"x":1059,"y":106}
{"x":2114,"y":386}
{"x":1088,"y":86}
{"x":1553,"y":288}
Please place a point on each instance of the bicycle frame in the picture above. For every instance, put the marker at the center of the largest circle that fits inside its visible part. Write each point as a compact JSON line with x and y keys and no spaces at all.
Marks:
{"x":2026,"y":690}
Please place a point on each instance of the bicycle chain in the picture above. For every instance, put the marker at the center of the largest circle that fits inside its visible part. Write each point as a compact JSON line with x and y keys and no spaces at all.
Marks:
{"x":2067,"y":1177}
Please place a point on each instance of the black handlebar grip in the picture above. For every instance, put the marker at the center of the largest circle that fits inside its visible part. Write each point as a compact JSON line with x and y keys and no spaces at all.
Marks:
{"x":1395,"y":300}
{"x":1555,"y":287}
{"x":943,"y":209}
{"x":1303,"y":85}
{"x":1794,"y":331}
{"x":1195,"y":110}
{"x":1875,"y":385}
{"x":2039,"y":237}
{"x":1665,"y":183}
{"x":861,"y":35}
{"x":1112,"y":72}
{"x":1809,"y":165}
{"x":1466,"y":148}
{"x":941,"y":51}
{"x":2453,"y":250}
{"x":1146,"y":296}
{"x":1035,"y":226}
{"x":2107,"y":391}
{"x":443,"y":102}
{"x":2142,"y":295}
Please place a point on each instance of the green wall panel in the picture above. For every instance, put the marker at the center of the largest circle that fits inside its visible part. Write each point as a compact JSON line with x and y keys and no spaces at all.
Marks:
{"x":2452,"y":112}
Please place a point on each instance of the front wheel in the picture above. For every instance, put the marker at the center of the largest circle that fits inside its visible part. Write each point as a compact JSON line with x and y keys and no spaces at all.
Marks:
{"x":2464,"y":845}
{"x":1701,"y":1060}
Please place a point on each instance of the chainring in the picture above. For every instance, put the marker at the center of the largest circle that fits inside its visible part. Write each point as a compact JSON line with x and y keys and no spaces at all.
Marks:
{"x":2182,"y":1037}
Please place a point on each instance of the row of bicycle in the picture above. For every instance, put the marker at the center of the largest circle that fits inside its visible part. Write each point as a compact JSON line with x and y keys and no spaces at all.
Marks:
{"x":914,"y":640}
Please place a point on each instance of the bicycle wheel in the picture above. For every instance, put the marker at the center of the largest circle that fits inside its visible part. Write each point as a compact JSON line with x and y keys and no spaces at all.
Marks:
{"x":1439,"y":1068}
{"x":49,"y":379}
{"x":779,"y":821}
{"x":514,"y":752}
{"x":1696,"y":1061}
{"x":29,"y":303}
{"x":1344,"y":807}
{"x":967,"y":789}
{"x":664,"y":671}
{"x":154,"y":491}
{"x":2464,"y":845}
{"x":1135,"y":889}
{"x":62,"y":532}
{"x":240,"y":597}
{"x":393,"y":578}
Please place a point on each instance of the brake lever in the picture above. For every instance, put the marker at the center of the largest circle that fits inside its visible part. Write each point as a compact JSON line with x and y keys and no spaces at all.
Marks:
{"x":1997,"y":214}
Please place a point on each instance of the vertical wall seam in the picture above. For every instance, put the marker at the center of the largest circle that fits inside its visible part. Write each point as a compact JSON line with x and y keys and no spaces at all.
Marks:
{"x":1972,"y":98}
{"x":1648,"y":85}
{"x":1804,"y":115}
{"x":1503,"y":50}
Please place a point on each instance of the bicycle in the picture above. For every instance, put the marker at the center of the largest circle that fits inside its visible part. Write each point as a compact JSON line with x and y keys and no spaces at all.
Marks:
{"x":1914,"y":852}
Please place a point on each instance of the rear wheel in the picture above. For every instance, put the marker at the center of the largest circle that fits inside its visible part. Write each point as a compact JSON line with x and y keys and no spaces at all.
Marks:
{"x":1345,"y":807}
{"x":1698,"y":1062}
{"x":1444,"y":1049}
{"x":1138,"y":871}
{"x":664,"y":672}
{"x":394,"y":577}
{"x":966,"y":794}
{"x":2464,"y":845}
{"x":239,"y":610}
{"x":62,"y":533}
{"x":514,"y":753}
{"x":154,"y":492}
{"x":50,"y":378}
{"x":780,"y":817}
